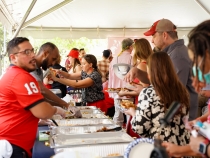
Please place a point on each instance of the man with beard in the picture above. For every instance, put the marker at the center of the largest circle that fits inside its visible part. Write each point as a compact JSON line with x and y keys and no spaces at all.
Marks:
{"x":47,"y":57}
{"x":165,"y":38}
{"x":21,"y":102}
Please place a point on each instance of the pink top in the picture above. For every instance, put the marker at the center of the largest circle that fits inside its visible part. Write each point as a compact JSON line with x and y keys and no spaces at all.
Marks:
{"x":114,"y":81}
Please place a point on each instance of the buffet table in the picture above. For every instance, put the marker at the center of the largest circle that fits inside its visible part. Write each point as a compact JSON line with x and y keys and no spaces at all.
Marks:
{"x":94,"y":132}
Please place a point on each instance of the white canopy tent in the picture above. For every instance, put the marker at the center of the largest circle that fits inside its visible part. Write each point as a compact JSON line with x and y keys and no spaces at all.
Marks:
{"x":100,"y":18}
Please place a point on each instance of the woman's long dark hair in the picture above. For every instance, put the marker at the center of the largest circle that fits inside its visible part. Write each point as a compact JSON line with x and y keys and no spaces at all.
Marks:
{"x":165,"y":80}
{"x":76,"y":62}
{"x":91,"y":59}
{"x":199,"y":41}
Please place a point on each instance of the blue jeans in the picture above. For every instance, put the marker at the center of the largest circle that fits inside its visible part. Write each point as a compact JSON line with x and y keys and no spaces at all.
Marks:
{"x":18,"y":152}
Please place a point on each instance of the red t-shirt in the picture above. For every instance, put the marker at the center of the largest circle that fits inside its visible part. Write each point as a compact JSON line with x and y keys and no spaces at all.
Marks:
{"x":19,"y":92}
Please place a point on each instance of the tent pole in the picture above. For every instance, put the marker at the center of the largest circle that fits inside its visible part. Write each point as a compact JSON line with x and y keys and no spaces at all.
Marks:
{"x":46,"y":13}
{"x":202,"y":6}
{"x":24,"y":18}
{"x":5,"y":39}
{"x":7,"y":14}
{"x":1,"y":54}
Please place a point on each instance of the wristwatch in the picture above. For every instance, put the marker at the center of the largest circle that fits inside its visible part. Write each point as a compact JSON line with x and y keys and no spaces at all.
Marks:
{"x":203,"y":147}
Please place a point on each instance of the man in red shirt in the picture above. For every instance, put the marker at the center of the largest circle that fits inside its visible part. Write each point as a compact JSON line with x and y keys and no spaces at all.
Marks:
{"x":21,"y":103}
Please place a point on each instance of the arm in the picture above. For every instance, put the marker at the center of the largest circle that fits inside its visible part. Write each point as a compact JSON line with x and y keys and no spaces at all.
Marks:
{"x":45,"y":81}
{"x":205,"y":93}
{"x":75,"y":84}
{"x":43,"y":110}
{"x":204,"y":117}
{"x":127,"y":93}
{"x":195,"y":142}
{"x":50,"y":97}
{"x":136,"y":73}
{"x":72,"y":76}
{"x":178,"y":151}
{"x":137,"y":88}
{"x":143,"y":67}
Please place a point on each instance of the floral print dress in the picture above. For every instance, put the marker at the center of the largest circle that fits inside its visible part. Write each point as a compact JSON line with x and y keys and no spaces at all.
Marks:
{"x":146,"y":121}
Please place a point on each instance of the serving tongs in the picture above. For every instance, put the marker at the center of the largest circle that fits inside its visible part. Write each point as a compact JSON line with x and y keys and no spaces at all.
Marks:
{"x":113,"y":129}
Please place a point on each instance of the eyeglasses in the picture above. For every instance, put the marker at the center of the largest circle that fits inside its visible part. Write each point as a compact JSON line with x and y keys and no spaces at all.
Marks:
{"x":27,"y":52}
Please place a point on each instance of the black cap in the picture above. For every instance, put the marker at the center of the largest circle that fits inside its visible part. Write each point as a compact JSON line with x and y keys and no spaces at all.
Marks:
{"x":106,"y":53}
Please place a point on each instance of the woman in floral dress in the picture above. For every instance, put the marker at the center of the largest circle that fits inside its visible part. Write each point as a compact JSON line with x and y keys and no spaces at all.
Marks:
{"x":154,"y":101}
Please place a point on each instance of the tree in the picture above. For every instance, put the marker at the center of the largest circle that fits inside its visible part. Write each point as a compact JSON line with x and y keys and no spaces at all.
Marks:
{"x":65,"y":45}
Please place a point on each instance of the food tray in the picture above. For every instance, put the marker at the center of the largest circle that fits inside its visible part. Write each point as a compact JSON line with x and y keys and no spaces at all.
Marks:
{"x":66,"y":130}
{"x":91,"y":111}
{"x":86,"y":107}
{"x":84,"y":122}
{"x":99,"y":150}
{"x":89,"y":116}
{"x":57,"y":141}
{"x":84,"y":116}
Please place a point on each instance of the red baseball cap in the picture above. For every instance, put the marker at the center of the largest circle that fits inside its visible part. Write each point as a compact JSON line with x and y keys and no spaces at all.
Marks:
{"x":161,"y":26}
{"x":74,"y":54}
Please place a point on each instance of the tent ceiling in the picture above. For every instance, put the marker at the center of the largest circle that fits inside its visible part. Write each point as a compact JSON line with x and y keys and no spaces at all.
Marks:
{"x":110,"y":14}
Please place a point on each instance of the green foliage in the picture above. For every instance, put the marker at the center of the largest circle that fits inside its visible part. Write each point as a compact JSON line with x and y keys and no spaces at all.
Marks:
{"x":65,"y":45}
{"x":1,"y":37}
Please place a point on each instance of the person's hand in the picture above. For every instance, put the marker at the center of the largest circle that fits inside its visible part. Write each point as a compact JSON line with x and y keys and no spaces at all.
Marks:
{"x":137,"y":88}
{"x":60,"y":111}
{"x":195,"y":142}
{"x":131,"y":75}
{"x":60,"y":73}
{"x":189,"y":125}
{"x":76,"y":112}
{"x":197,"y":84}
{"x":193,"y":123}
{"x":131,"y":111}
{"x":121,"y":93}
{"x":205,"y":93}
{"x":46,"y":122}
{"x":52,"y":75}
{"x":173,"y":150}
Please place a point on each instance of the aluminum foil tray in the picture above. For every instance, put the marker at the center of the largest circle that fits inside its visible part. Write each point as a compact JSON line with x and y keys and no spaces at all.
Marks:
{"x":91,"y":111}
{"x":66,"y":130}
{"x":94,"y":116}
{"x":84,"y":116}
{"x":86,"y":107}
{"x":57,"y":141}
{"x":100,"y":150}
{"x":84,"y":122}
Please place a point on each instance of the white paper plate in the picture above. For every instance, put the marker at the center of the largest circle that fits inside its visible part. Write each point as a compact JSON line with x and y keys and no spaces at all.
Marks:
{"x":141,"y":147}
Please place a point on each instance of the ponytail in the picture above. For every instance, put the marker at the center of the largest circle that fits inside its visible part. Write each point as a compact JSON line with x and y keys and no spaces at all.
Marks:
{"x":97,"y":69}
{"x":123,"y":50}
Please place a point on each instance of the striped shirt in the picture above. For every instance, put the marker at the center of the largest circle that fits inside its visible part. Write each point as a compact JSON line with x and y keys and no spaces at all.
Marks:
{"x":103,"y":66}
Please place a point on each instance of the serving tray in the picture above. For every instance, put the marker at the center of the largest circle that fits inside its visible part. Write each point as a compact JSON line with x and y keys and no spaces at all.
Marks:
{"x":84,"y":122}
{"x":66,"y":130}
{"x":57,"y":141}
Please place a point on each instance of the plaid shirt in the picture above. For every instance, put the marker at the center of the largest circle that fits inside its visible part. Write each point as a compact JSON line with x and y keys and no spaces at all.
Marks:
{"x":103,"y":66}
